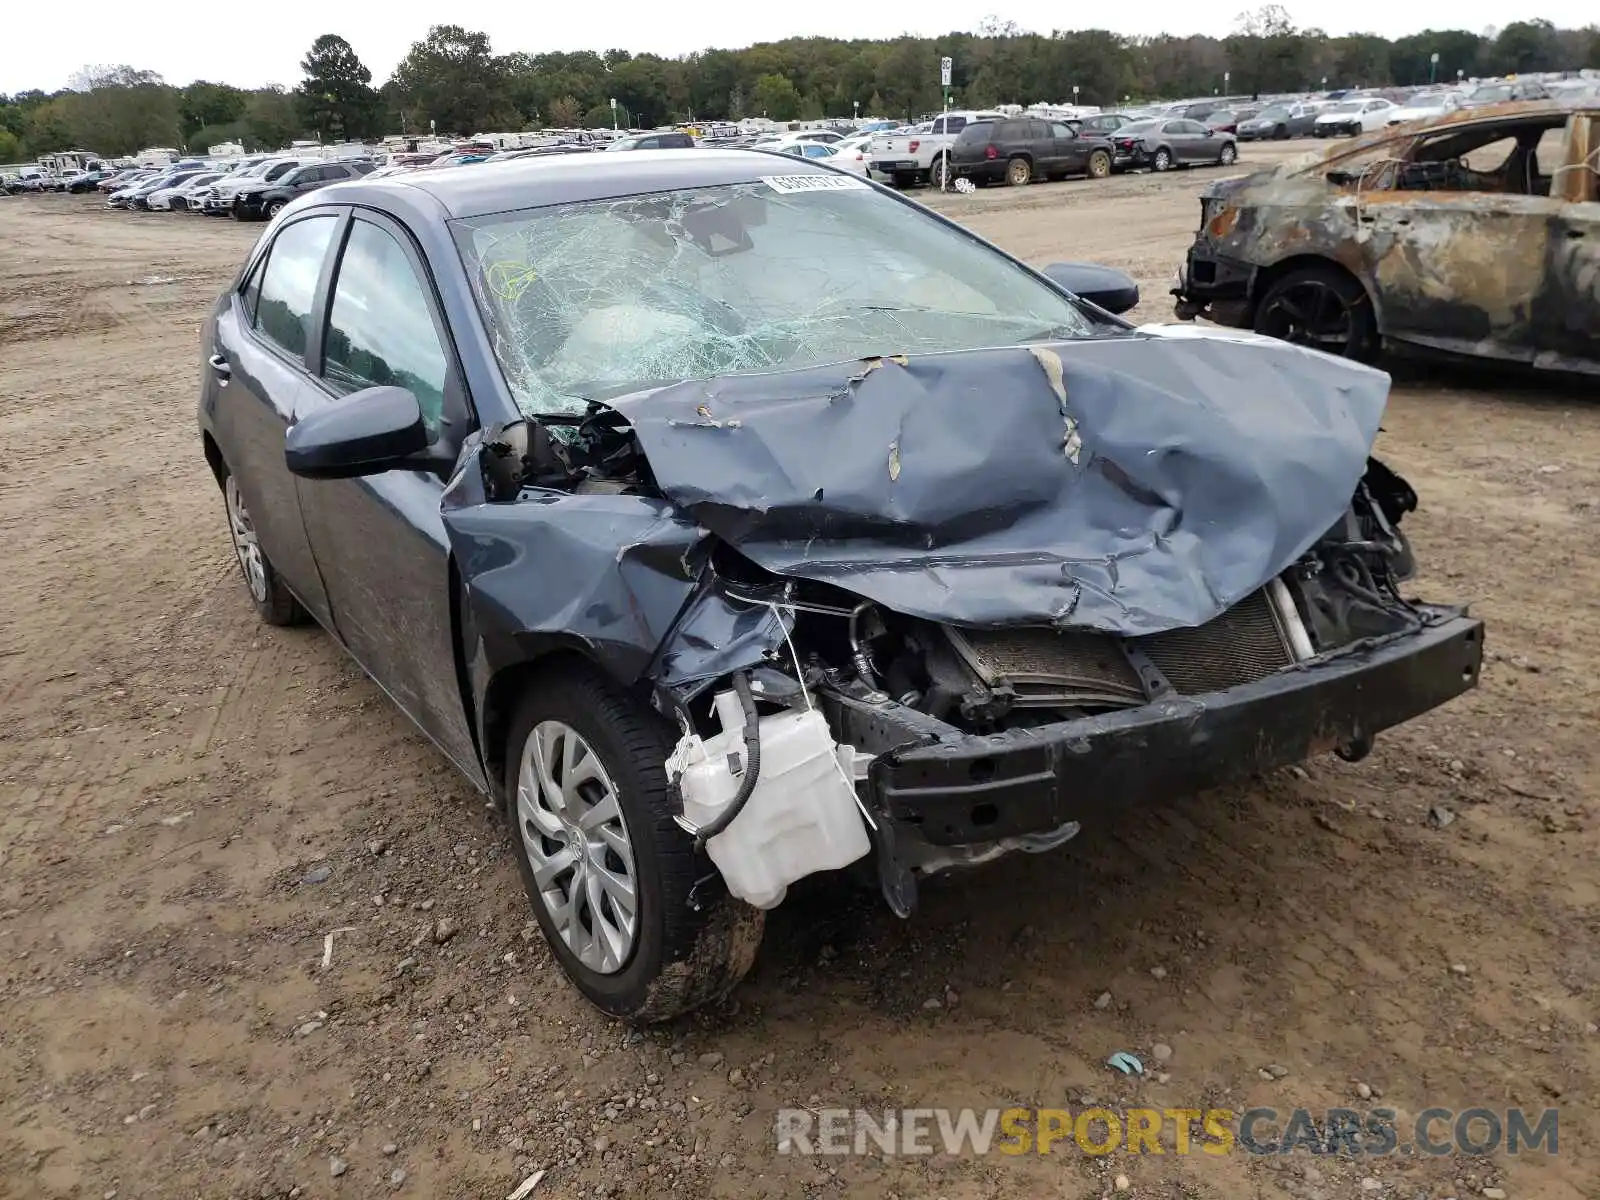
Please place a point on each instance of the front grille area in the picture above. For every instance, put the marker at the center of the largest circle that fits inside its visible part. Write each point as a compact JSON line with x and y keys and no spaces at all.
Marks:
{"x":1080,"y":668}
{"x":1058,"y":668}
{"x":1243,"y":645}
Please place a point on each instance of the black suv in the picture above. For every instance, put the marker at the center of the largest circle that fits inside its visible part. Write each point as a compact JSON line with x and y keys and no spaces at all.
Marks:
{"x":1022,"y":149}
{"x":264,"y":199}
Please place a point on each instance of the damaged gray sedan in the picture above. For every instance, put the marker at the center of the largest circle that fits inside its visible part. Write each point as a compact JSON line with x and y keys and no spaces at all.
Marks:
{"x":728,"y":519}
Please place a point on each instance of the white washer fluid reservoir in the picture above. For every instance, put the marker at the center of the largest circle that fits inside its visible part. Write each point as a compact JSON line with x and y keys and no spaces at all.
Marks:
{"x":800,"y":819}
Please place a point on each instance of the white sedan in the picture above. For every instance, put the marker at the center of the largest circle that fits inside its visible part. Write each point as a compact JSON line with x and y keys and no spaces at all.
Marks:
{"x":853,"y":160}
{"x":181,"y":197}
{"x":1424,"y":107}
{"x":1361,"y":115}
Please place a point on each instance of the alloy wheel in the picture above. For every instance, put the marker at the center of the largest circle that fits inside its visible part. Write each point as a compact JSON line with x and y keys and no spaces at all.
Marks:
{"x":577,"y":843}
{"x":243,"y":533}
{"x":1311,"y":313}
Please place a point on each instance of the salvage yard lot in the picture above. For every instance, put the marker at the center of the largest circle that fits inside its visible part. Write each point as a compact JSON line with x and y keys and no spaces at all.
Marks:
{"x":191,"y":803}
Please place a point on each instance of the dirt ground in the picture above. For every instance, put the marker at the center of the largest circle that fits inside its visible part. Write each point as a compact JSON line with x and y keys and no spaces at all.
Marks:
{"x":191,"y":803}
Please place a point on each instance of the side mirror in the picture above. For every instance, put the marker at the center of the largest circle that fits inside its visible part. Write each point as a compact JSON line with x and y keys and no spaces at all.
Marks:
{"x":365,"y":433}
{"x":1104,"y":286}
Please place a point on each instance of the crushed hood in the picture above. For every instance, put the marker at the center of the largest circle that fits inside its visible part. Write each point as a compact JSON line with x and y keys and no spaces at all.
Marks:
{"x":1131,"y":484}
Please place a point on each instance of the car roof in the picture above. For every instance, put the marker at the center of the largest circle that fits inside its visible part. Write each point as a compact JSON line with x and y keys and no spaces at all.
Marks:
{"x":573,"y":178}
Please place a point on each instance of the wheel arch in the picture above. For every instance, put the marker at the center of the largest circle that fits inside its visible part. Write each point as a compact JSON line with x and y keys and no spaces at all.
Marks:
{"x":505,"y":688}
{"x":1265,"y":277}
{"x":214,"y":459}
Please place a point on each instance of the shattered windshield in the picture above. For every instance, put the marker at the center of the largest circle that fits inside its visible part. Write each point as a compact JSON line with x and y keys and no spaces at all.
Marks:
{"x":595,"y":299}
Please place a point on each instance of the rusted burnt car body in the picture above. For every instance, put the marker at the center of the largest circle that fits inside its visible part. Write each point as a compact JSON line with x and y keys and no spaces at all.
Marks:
{"x":1475,"y":234}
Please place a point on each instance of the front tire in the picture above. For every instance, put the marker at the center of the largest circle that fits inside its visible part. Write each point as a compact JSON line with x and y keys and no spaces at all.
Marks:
{"x":273,"y":208}
{"x":1019,"y":171}
{"x":607,"y":870}
{"x":1228,"y":155}
{"x":1324,"y":308}
{"x":1099,"y":165}
{"x":274,"y":602}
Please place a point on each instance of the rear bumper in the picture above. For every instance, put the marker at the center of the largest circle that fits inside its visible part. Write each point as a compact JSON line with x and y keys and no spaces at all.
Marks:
{"x":990,"y":170}
{"x":966,"y":789}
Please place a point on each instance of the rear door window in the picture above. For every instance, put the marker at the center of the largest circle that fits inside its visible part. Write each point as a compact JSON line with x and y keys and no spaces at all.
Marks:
{"x":289,"y":283}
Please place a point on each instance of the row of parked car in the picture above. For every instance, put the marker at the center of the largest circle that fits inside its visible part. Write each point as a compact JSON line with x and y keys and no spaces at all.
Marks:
{"x":249,"y":188}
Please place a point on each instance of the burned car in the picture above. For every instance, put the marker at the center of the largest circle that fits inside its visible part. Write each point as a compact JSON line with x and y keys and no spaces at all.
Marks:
{"x":1475,"y":234}
{"x":716,"y":566}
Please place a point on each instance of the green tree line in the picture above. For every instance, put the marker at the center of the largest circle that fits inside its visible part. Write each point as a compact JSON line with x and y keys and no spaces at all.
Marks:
{"x":454,"y":82}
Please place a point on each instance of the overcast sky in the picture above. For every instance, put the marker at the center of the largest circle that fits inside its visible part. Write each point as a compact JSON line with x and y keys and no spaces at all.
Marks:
{"x":250,"y":45}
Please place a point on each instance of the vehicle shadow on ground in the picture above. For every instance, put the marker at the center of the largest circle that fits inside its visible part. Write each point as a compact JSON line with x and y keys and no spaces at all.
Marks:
{"x":1497,"y":381}
{"x":1128,"y":895}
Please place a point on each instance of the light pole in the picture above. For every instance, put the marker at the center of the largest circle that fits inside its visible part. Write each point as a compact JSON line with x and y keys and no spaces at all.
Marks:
{"x":1226,"y":75}
{"x":1433,"y":65}
{"x":1460,"y":75}
{"x":1074,"y":95}
{"x":1324,"y":83}
{"x":855,"y":110}
{"x":613,"y":114}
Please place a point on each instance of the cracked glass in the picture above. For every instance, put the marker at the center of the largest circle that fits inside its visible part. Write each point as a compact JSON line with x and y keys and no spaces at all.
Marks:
{"x":596,"y":299}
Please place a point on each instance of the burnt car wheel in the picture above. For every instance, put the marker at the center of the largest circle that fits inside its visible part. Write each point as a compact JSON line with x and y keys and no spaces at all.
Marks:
{"x":1018,"y":172}
{"x":1228,"y":155}
{"x":1099,"y":165}
{"x":608,"y":871}
{"x":1319,"y":307}
{"x":274,"y":602}
{"x":1162,"y":160}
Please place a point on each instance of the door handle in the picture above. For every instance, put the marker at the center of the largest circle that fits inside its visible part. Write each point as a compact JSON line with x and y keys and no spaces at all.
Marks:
{"x":1574,"y":232}
{"x":220,"y":366}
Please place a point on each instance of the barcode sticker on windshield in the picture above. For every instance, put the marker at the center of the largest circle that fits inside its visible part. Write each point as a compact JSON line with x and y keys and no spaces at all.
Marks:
{"x":790,"y":184}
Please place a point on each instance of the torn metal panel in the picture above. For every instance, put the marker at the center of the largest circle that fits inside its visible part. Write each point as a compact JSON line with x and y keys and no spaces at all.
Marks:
{"x":606,"y":572}
{"x":623,"y":577}
{"x":714,"y":637}
{"x":1202,"y":470}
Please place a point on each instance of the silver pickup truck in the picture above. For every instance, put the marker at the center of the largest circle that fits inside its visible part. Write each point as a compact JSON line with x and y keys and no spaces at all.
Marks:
{"x":923,"y":155}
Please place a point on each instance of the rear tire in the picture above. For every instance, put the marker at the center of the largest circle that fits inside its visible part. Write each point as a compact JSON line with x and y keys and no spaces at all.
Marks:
{"x":939,"y":176}
{"x":675,"y":958}
{"x":274,"y":602}
{"x":1162,"y":160}
{"x":1019,"y":172}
